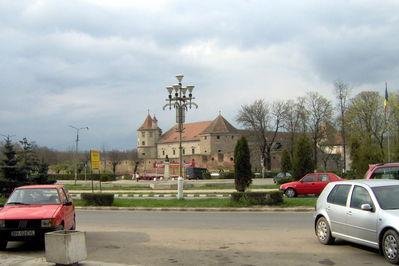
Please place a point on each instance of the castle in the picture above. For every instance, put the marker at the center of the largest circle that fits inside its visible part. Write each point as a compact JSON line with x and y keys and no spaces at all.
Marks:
{"x":208,"y":144}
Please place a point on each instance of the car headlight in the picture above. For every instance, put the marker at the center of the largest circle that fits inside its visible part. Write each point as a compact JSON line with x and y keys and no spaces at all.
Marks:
{"x":47,"y":223}
{"x":2,"y":223}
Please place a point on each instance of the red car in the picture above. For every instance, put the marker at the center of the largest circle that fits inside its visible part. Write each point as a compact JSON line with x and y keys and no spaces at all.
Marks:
{"x":383,"y":171}
{"x":312,"y":183}
{"x":31,"y":211}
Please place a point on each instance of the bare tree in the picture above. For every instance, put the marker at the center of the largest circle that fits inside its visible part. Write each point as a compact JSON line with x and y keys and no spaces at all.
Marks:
{"x":320,"y":113}
{"x":342,"y":92}
{"x":294,"y":120}
{"x":115,"y":157}
{"x":264,"y":120}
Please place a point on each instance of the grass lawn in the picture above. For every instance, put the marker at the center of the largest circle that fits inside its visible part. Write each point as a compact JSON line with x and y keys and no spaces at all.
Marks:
{"x":2,"y":200}
{"x":147,"y":187}
{"x":300,"y":201}
{"x":200,"y":203}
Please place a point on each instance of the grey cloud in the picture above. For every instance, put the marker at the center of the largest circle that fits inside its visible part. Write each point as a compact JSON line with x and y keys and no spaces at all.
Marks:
{"x":74,"y":62}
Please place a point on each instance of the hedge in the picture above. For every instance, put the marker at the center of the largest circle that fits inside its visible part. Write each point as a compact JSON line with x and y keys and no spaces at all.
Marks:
{"x":98,"y":199}
{"x":258,"y":198}
{"x":283,"y":180}
{"x":104,"y":177}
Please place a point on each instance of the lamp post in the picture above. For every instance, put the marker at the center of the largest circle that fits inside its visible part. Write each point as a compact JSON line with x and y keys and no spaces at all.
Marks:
{"x":180,"y":98}
{"x":76,"y":148}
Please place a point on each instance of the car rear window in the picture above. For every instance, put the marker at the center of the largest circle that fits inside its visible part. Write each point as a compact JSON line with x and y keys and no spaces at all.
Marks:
{"x":339,"y":195}
{"x":386,"y":173}
{"x":387,"y":197}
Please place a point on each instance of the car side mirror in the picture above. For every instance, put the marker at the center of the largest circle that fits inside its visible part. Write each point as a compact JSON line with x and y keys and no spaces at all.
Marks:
{"x":68,"y":203}
{"x":366,"y":207}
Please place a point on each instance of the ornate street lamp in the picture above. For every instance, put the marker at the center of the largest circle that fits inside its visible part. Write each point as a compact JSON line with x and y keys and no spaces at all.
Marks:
{"x":180,"y":98}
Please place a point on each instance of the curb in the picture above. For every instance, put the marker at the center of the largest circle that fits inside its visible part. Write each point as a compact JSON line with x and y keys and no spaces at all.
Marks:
{"x":260,"y":209}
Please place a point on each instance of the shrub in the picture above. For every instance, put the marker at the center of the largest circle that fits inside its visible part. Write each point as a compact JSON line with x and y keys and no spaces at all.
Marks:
{"x":283,"y":180}
{"x":271,"y":174}
{"x":98,"y":199}
{"x":104,"y":177}
{"x":258,"y":198}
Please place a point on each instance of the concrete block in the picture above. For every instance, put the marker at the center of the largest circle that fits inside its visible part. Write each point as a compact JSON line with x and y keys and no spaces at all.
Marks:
{"x":65,"y":247}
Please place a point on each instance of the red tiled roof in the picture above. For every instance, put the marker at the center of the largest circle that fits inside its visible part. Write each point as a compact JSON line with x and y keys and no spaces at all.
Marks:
{"x":191,"y":132}
{"x":220,"y":125}
{"x":149,"y":123}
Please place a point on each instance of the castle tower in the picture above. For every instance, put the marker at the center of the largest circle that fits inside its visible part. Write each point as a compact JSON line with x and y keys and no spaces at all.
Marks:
{"x":147,"y":138}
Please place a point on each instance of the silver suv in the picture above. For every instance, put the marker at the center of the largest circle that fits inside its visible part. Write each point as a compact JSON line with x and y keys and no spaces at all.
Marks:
{"x":365,"y":212}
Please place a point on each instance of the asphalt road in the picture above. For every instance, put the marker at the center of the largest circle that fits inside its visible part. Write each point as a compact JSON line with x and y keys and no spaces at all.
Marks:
{"x":207,"y":238}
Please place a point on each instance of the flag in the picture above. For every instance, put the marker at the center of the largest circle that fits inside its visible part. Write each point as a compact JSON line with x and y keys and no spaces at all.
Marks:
{"x":386,"y":98}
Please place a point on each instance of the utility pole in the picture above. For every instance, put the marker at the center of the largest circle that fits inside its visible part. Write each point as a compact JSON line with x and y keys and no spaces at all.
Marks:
{"x":76,"y":148}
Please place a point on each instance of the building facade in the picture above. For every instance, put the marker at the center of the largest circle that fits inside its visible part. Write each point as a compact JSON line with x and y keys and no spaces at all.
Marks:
{"x":208,"y":144}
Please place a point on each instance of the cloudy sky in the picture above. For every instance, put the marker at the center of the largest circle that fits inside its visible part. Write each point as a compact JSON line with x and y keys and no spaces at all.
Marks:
{"x":104,"y":63}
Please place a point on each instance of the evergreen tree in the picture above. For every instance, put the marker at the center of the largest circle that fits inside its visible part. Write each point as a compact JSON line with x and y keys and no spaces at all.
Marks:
{"x":286,"y":165}
{"x":242,"y":166}
{"x":9,"y":167}
{"x":363,"y":153}
{"x":302,"y":162}
{"x":27,"y":159}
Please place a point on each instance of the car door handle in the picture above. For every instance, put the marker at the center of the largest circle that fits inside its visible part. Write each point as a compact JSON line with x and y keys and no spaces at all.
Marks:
{"x":349,"y":213}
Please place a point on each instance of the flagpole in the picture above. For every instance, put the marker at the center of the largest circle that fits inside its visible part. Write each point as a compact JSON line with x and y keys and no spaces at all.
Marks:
{"x":387,"y":124}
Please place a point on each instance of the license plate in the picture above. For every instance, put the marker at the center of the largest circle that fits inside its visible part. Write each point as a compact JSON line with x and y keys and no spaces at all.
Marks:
{"x":23,"y":233}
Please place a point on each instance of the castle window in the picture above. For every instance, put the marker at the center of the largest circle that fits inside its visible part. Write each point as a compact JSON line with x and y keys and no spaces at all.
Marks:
{"x":192,"y":151}
{"x":143,"y":154}
{"x":231,"y":159}
{"x":218,"y":137}
{"x":143,"y":134}
{"x":174,"y":152}
{"x":205,"y":137}
{"x":220,"y":157}
{"x":163,"y":152}
{"x":143,"y":143}
{"x":219,"y":151}
{"x":232,"y":137}
{"x":184,"y":151}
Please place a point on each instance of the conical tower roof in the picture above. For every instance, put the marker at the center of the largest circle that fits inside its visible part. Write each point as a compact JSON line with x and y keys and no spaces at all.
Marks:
{"x":220,"y":125}
{"x":149,"y":123}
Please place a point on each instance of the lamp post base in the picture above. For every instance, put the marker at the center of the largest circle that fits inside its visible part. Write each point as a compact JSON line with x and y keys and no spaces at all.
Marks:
{"x":180,"y":182}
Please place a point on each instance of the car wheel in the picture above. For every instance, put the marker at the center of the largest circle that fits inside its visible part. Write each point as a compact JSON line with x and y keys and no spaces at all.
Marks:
{"x":390,"y":248}
{"x":290,"y":192}
{"x":3,"y":244}
{"x":323,"y":231}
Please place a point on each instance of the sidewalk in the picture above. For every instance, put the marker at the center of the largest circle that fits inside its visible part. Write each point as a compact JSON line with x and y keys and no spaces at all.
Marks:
{"x":31,"y":261}
{"x":201,"y":209}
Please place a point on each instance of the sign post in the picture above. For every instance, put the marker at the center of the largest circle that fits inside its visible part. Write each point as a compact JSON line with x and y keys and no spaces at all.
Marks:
{"x":95,"y":165}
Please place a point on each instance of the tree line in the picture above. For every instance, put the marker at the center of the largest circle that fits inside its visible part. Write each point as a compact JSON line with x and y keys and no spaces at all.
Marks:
{"x":316,"y":126}
{"x":24,"y":161}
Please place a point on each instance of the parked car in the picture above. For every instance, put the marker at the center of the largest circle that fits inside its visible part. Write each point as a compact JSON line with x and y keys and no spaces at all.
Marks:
{"x":281,"y":176}
{"x":365,"y":212}
{"x":312,"y":183}
{"x":383,"y":171}
{"x":32,"y":211}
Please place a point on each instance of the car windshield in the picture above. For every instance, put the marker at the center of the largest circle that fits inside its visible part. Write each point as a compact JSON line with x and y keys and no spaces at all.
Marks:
{"x":387,"y":197}
{"x":27,"y":196}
